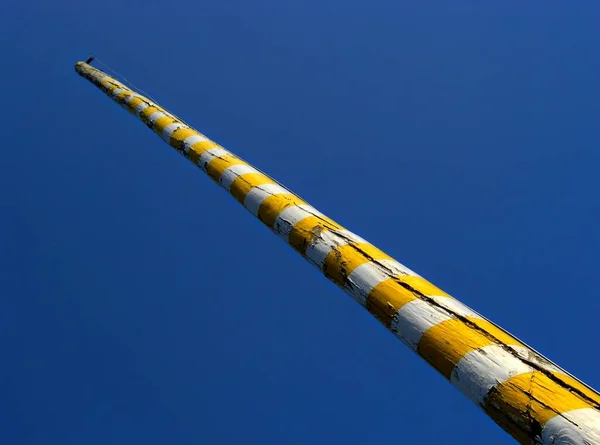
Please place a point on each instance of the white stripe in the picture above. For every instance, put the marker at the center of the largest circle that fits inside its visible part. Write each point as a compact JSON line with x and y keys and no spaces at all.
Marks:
{"x":124,"y":102}
{"x":258,"y":194}
{"x":232,"y":173}
{"x":455,"y":307}
{"x":191,"y":140}
{"x":326,"y":241}
{"x":156,"y":115}
{"x":483,"y":369}
{"x":531,"y":357}
{"x":106,"y":80}
{"x":398,"y":268}
{"x":159,"y":108}
{"x":580,"y":426}
{"x":365,"y":277}
{"x":130,"y":98}
{"x":414,"y":319}
{"x":117,"y":91}
{"x":209,"y":155}
{"x":170,"y":129}
{"x":141,"y":107}
{"x":291,"y":216}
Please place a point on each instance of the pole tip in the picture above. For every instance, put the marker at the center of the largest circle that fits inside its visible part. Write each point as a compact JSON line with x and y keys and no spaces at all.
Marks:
{"x":78,"y":66}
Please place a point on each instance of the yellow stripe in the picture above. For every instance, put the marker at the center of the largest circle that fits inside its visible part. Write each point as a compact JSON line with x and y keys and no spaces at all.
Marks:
{"x":180,"y":135}
{"x":306,"y":229}
{"x":147,"y":112}
{"x":422,"y":286}
{"x":198,"y":148}
{"x":112,"y":87}
{"x":386,"y":298}
{"x":390,"y":295}
{"x":272,"y":206}
{"x":161,"y":123}
{"x":446,"y":343}
{"x":594,"y":397}
{"x":133,"y":104}
{"x":218,"y":165}
{"x":342,"y":261}
{"x":527,"y":401}
{"x":243,"y":184}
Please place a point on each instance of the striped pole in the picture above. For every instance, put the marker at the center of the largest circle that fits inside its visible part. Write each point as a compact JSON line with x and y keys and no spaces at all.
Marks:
{"x":530,"y":397}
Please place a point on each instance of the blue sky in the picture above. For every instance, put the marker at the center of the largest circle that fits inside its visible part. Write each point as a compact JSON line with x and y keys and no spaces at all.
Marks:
{"x":142,"y":304}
